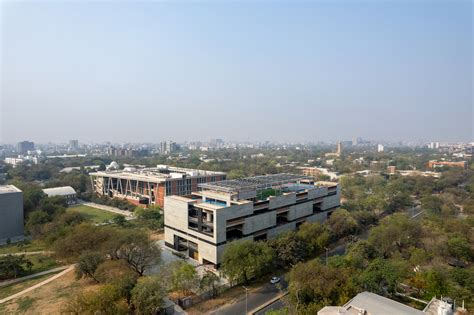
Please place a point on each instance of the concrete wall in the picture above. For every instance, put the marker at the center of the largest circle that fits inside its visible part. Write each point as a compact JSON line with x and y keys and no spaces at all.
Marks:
{"x":300,"y":210}
{"x":11,"y":216}
{"x":259,"y":222}
{"x":281,"y":201}
{"x":317,"y":192}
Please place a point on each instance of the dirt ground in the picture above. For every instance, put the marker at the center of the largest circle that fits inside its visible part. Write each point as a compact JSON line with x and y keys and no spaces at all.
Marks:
{"x":48,"y":299}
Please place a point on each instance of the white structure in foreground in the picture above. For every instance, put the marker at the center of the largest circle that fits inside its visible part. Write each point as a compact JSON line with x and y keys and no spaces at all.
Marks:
{"x":254,"y":208}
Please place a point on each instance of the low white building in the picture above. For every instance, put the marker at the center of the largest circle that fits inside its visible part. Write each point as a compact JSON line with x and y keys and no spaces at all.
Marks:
{"x":67,"y":192}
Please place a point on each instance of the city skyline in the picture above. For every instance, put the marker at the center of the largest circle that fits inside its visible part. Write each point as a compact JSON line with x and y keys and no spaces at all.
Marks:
{"x":246,"y":71}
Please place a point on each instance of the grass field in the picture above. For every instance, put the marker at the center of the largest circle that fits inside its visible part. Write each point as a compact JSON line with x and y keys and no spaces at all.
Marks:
{"x":20,"y":286}
{"x":33,"y":246}
{"x":93,"y":214}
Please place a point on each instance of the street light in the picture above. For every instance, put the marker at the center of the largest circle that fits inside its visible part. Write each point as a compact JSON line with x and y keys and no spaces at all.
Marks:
{"x":246,"y":290}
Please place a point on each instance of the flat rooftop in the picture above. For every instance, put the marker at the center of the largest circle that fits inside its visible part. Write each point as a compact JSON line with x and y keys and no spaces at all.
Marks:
{"x":6,"y":189}
{"x":255,"y":182}
{"x":156,"y":174}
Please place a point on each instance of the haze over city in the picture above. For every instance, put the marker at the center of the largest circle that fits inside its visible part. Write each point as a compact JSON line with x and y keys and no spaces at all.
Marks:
{"x":148,"y":71}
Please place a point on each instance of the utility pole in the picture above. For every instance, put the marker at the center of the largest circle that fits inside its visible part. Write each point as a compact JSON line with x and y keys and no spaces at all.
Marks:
{"x":246,"y":308}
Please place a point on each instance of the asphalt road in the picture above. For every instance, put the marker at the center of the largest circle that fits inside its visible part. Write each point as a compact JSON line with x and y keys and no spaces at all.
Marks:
{"x":255,"y":298}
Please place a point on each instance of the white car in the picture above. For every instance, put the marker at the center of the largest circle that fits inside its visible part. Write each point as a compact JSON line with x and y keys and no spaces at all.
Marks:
{"x":275,"y":280}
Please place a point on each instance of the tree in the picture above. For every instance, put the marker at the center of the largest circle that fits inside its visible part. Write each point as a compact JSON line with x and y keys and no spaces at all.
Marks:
{"x":431,"y":203}
{"x":243,"y":260}
{"x":117,"y":273}
{"x":289,"y":249}
{"x":396,"y":233}
{"x":315,"y":236}
{"x":12,"y":266}
{"x":137,"y":249}
{"x":106,"y":300}
{"x":87,"y":265}
{"x":53,"y":205}
{"x":314,"y":285}
{"x":380,"y":277}
{"x":209,"y":282}
{"x":119,"y":220}
{"x":35,"y":221}
{"x":459,"y":248}
{"x":341,"y":223}
{"x":183,"y":276}
{"x":82,"y":238}
{"x":152,"y":217}
{"x":148,"y":295}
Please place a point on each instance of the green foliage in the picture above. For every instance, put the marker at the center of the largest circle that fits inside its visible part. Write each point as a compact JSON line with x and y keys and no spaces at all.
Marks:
{"x":315,"y":236}
{"x":341,"y":223}
{"x":35,"y":221}
{"x":120,"y":220}
{"x":396,"y":233}
{"x":432,"y":204}
{"x":288,"y":248}
{"x":107,"y":300}
{"x":209,"y":282}
{"x":243,"y":260}
{"x":82,"y":238}
{"x":87,"y":265}
{"x":151,"y":216}
{"x":314,"y":285}
{"x":13,"y":266}
{"x":380,"y":277}
{"x":183,"y":276}
{"x":148,"y":295}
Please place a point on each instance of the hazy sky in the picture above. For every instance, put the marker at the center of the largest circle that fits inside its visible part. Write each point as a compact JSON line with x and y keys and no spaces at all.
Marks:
{"x":307,"y":71}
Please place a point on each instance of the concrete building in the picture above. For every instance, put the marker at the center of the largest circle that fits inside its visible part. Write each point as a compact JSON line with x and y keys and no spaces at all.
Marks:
{"x":367,"y":303}
{"x":25,"y":146}
{"x":74,"y":144}
{"x":11,"y":214}
{"x":151,"y":185}
{"x":434,"y":164}
{"x":317,"y":171}
{"x":380,"y":148}
{"x":253,"y":208}
{"x":66,"y":191}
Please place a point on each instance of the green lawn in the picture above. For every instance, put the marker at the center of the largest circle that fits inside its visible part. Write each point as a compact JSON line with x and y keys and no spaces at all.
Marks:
{"x":32,"y":246}
{"x":20,"y":286}
{"x":93,"y":214}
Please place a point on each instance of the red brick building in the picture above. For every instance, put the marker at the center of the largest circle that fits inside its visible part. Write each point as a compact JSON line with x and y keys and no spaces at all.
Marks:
{"x":149,"y":186}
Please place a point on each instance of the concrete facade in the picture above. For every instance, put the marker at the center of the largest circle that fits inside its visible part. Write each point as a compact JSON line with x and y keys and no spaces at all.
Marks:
{"x":202,"y":223}
{"x":11,"y":214}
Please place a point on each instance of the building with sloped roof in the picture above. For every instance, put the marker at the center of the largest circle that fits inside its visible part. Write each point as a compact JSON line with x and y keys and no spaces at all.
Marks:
{"x":66,"y":191}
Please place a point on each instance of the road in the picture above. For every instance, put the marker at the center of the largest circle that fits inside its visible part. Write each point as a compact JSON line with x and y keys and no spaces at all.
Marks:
{"x":255,"y":298}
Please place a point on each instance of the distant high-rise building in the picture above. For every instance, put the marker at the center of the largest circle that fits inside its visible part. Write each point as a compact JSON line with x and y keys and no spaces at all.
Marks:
{"x":168,"y":146}
{"x":25,"y":146}
{"x":74,"y":144}
{"x":339,"y":148}
{"x":380,"y":148}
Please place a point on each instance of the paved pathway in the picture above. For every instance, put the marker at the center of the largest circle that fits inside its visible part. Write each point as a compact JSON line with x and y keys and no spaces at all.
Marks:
{"x":35,"y":275}
{"x":43,"y":252}
{"x":126,"y":213}
{"x":14,"y":296}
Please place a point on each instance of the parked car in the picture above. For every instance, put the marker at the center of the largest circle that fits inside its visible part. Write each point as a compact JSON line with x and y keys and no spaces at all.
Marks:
{"x":275,"y":280}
